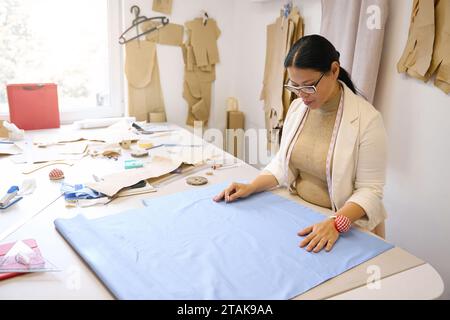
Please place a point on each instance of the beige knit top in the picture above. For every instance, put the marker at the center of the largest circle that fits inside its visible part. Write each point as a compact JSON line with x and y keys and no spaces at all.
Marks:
{"x":309,"y":155}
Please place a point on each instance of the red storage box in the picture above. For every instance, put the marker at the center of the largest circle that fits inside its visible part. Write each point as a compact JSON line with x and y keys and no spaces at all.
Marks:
{"x":33,"y":106}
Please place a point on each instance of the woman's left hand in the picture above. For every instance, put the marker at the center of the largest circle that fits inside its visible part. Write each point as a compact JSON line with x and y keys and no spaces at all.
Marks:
{"x":319,"y":236}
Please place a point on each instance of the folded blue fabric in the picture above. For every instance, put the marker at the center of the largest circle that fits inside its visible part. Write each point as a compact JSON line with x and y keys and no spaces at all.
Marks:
{"x":79,"y":191}
{"x":186,"y":246}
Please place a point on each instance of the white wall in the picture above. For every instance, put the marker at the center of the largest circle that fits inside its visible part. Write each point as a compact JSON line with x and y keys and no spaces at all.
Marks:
{"x":417,"y":119}
{"x":171,"y":58}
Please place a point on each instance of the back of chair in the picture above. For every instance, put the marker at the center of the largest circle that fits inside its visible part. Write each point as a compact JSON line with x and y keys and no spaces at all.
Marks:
{"x":380,"y":230}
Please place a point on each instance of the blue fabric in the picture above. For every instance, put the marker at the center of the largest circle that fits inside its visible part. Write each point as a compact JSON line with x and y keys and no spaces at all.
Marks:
{"x":185,"y":246}
{"x":78,"y":192}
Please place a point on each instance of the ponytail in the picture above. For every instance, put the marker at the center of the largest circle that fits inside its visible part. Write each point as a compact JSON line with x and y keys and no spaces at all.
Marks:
{"x":345,"y":78}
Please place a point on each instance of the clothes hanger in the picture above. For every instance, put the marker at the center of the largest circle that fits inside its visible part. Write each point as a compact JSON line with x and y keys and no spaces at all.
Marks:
{"x":137,"y":21}
{"x":287,"y":8}
{"x":204,"y":16}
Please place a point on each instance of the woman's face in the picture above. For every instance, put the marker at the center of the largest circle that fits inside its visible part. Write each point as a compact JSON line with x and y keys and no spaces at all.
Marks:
{"x":325,"y":89}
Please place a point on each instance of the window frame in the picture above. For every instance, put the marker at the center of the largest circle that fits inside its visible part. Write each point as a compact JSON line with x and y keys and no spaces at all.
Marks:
{"x":116,"y":75}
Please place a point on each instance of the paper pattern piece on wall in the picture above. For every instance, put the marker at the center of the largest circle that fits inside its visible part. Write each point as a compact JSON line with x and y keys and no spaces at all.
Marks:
{"x":163,"y":6}
{"x":144,"y":86}
{"x":201,"y":55}
{"x":185,"y":246}
{"x":281,"y":35}
{"x":145,"y":96}
{"x":440,"y":64}
{"x":203,"y":39}
{"x":299,"y":29}
{"x":416,"y":58}
{"x":428,"y":22}
{"x":171,"y":35}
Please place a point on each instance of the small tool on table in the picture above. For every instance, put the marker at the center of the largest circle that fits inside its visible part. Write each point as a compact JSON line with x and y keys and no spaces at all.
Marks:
{"x":8,"y":199}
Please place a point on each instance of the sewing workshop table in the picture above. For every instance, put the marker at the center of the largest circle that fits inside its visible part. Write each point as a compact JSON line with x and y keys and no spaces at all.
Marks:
{"x":403,"y":276}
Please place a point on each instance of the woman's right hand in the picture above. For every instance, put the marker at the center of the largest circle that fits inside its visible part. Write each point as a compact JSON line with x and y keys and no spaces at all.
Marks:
{"x":234,"y":192}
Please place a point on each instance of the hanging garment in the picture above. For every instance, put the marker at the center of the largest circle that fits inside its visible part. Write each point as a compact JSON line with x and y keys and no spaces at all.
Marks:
{"x":197,"y":90}
{"x":298,"y":22}
{"x":440,"y":62}
{"x":146,"y":101}
{"x":200,"y":55}
{"x":144,"y":86}
{"x":172,"y":34}
{"x":280,"y":37}
{"x":356,"y":28}
{"x":295,"y":17}
{"x":203,"y":39}
{"x":163,"y":6}
{"x":416,"y":58}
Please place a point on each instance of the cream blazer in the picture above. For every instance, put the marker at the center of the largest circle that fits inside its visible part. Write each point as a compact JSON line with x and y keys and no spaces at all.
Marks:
{"x":359,"y":159}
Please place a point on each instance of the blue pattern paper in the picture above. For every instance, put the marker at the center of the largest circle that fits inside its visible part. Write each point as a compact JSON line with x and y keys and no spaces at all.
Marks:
{"x":186,"y":246}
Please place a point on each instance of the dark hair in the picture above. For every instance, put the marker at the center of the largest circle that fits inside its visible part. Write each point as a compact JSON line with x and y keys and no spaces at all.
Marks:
{"x":317,"y":53}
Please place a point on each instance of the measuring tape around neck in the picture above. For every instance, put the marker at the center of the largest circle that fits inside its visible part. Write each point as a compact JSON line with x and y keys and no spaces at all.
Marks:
{"x":337,"y":125}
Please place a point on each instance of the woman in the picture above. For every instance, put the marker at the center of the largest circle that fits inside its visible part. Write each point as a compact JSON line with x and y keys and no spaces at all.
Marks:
{"x":332,"y":151}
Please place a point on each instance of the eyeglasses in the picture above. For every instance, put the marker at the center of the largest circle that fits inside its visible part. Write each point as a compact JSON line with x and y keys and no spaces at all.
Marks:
{"x":305,"y":89}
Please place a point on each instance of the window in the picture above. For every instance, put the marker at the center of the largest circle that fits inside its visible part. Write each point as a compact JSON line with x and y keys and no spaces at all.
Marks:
{"x":72,"y":43}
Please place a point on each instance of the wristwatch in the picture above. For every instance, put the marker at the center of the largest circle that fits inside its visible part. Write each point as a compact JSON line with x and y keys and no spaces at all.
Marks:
{"x":341,"y":223}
